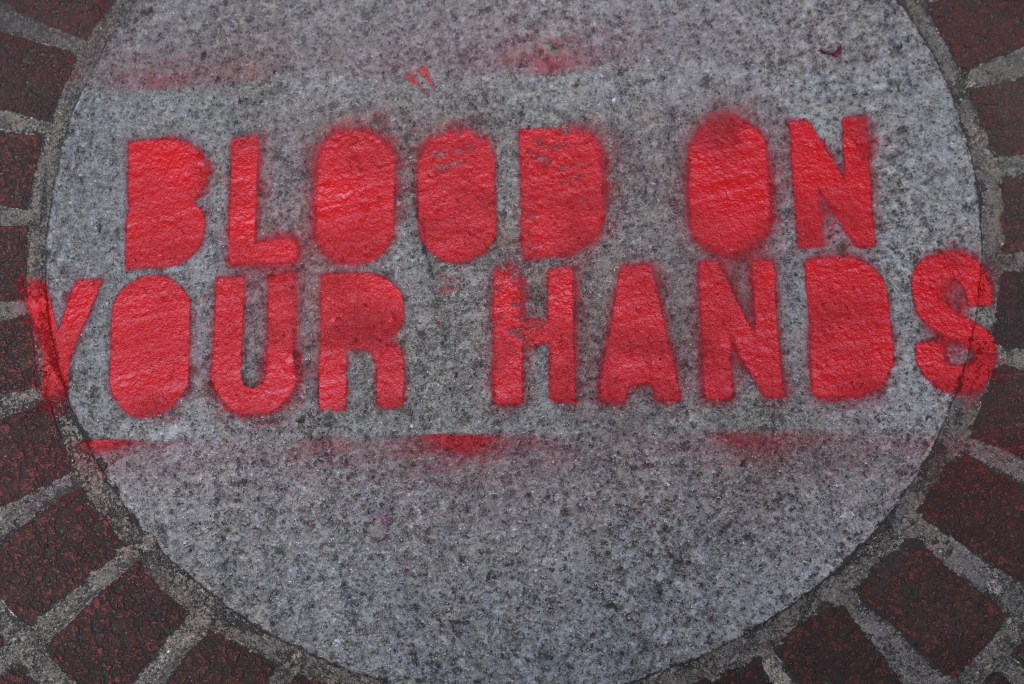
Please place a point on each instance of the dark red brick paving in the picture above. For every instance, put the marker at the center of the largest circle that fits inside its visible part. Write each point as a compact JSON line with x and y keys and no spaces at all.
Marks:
{"x":979,"y":30}
{"x":1000,"y":420}
{"x":119,"y":633}
{"x":981,"y":509}
{"x":77,"y":17}
{"x":1012,"y":218}
{"x":830,"y":647}
{"x":752,"y":673}
{"x":13,"y":262}
{"x":17,"y":355}
{"x":16,"y":678}
{"x":942,"y":615}
{"x":1009,"y":328}
{"x":32,"y":76}
{"x":19,"y":156}
{"x":1001,"y":113}
{"x":51,"y":556}
{"x":31,"y":453}
{"x":997,"y":678}
{"x":216,"y":660}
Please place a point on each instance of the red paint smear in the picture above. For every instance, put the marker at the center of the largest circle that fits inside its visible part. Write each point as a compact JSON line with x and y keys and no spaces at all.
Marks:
{"x":443,"y":452}
{"x":440,"y":451}
{"x":226,"y":67}
{"x":469,"y":446}
{"x":548,"y":55}
{"x":421,"y":79}
{"x":475,"y":49}
{"x":99,"y":447}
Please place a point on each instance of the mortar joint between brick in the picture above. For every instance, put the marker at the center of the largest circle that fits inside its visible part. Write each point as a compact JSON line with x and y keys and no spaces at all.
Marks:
{"x":23,"y":26}
{"x":1002,"y":69}
{"x":909,"y":664}
{"x":64,"y":611}
{"x":20,"y":512}
{"x":16,"y":402}
{"x":1005,"y":591}
{"x":774,"y":668}
{"x":14,"y":122}
{"x":197,"y":623}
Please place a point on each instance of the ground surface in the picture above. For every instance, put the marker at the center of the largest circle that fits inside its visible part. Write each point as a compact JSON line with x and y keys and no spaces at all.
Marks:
{"x":871,"y":543}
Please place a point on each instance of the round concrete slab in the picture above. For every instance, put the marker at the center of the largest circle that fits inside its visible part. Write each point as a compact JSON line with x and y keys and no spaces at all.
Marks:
{"x":581,"y":542}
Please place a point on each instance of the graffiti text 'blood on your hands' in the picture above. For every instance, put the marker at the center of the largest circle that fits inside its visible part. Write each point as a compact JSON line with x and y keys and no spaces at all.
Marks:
{"x":727,"y":208}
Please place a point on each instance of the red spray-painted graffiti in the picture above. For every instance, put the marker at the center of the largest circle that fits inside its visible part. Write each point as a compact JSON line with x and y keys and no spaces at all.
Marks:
{"x":730,"y":210}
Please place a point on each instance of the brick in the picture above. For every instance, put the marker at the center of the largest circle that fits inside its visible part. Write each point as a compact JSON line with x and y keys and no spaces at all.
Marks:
{"x":981,"y":509}
{"x":17,"y":355}
{"x":1013,"y":214}
{"x":119,"y":633}
{"x":304,"y":680}
{"x":752,"y":673}
{"x":77,"y":17}
{"x":13,"y":262}
{"x":19,"y":157}
{"x":31,"y":453}
{"x":1018,"y":653}
{"x":997,"y":678}
{"x":14,"y":677}
{"x":830,"y":647}
{"x":1001,"y":113}
{"x":979,"y":30}
{"x":32,"y":76}
{"x":215,"y":660}
{"x":51,"y":556}
{"x":943,"y":616}
{"x":1000,"y":420}
{"x":1009,"y":328}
